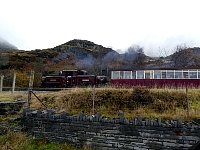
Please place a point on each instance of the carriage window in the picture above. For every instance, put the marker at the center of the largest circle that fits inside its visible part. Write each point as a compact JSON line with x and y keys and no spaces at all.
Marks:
{"x":127,"y":74}
{"x":121,"y":74}
{"x":185,"y":74}
{"x":157,"y":74}
{"x":148,"y":74}
{"x":115,"y":75}
{"x":178,"y":75}
{"x":193,"y":75}
{"x":140,"y":74}
{"x":164,"y":75}
{"x":170,"y":74}
{"x":198,"y":74}
{"x":133,"y":75}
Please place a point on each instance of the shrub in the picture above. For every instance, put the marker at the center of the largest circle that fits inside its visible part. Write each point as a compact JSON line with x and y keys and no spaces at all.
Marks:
{"x":140,"y":97}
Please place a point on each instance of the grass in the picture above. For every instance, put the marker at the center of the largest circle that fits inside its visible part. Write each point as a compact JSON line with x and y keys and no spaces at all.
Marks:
{"x":147,"y":103}
{"x":8,"y":96}
{"x":21,"y":141}
{"x":166,"y":104}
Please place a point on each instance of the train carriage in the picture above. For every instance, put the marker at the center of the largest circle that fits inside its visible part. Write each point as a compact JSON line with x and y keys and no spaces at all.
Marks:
{"x":157,"y":78}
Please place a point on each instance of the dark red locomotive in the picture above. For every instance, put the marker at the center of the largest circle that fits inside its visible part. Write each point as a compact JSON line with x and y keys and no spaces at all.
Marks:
{"x":72,"y":78}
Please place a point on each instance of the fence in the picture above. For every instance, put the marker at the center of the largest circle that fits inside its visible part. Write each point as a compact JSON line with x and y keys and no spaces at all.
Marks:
{"x":16,"y":81}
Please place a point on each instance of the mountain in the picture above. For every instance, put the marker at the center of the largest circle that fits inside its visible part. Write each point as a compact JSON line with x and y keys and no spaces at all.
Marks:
{"x":4,"y":45}
{"x":186,"y":58}
{"x":82,"y":49}
{"x":83,"y":54}
{"x":75,"y":54}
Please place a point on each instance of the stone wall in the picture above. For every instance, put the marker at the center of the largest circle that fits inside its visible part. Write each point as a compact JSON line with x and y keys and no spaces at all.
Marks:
{"x":7,"y":108}
{"x":103,"y":133}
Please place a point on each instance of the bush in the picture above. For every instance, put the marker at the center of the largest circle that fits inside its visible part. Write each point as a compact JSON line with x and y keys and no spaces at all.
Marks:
{"x":108,"y":101}
{"x":140,"y":97}
{"x":165,"y":101}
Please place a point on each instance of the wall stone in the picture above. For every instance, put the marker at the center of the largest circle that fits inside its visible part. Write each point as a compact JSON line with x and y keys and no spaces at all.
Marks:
{"x":102,"y":133}
{"x":7,"y":108}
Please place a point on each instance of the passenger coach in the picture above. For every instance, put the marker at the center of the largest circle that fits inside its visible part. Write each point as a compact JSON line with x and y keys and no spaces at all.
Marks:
{"x":157,"y":78}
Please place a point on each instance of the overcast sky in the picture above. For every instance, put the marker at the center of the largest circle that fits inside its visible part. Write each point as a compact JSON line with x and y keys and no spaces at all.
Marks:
{"x":152,"y":24}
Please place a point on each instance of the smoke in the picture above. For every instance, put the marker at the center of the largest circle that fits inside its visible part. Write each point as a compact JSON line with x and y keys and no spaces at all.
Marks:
{"x":109,"y":59}
{"x":86,"y":62}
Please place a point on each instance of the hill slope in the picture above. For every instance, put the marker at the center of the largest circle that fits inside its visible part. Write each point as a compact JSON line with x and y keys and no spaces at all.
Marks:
{"x":4,"y":45}
{"x":83,"y":54}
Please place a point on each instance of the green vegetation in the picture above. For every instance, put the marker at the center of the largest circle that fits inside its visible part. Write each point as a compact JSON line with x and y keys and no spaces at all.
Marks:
{"x":148,"y":103}
{"x":7,"y":96}
{"x":21,"y":141}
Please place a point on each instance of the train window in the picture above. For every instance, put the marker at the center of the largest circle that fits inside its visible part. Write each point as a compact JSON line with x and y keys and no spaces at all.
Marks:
{"x":121,"y":74}
{"x":193,"y":74}
{"x":157,"y":74}
{"x":140,"y":74}
{"x":115,"y":75}
{"x":148,"y":74}
{"x":170,"y":74}
{"x":164,"y":74}
{"x":127,"y":74}
{"x":185,"y":74}
{"x":198,"y":74}
{"x":178,"y":74}
{"x":133,"y":75}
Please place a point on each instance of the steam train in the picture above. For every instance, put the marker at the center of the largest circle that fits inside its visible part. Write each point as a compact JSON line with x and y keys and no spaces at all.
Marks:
{"x":146,"y":78}
{"x":157,"y":78}
{"x":72,"y":78}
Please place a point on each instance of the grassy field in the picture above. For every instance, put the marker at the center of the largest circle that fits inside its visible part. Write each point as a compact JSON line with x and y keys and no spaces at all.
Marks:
{"x":8,"y":96}
{"x":21,"y":141}
{"x":147,"y":103}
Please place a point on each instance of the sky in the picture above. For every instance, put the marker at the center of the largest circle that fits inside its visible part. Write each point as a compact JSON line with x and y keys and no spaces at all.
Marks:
{"x":156,"y":25}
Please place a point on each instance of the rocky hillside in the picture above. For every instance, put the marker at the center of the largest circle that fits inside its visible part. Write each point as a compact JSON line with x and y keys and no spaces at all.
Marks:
{"x":80,"y":54}
{"x":96,"y":59}
{"x":80,"y":50}
{"x":185,"y":58}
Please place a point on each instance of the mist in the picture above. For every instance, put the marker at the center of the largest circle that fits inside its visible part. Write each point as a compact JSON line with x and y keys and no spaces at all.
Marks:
{"x":5,"y":45}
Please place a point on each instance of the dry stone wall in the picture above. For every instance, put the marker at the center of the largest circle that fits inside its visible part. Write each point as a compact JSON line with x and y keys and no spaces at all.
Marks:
{"x":103,"y":133}
{"x":7,"y":108}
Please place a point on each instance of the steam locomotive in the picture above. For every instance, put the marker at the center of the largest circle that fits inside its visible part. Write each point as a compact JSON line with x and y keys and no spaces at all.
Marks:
{"x":72,"y":78}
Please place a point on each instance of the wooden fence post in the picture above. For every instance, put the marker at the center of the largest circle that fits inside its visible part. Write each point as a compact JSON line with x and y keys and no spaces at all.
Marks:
{"x":1,"y":84}
{"x":14,"y":80}
{"x":187,"y":104}
{"x":93,"y":99}
{"x":30,"y":86}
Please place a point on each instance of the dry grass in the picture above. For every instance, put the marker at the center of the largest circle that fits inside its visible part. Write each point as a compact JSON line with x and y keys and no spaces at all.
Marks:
{"x":153,"y":103}
{"x":8,"y":96}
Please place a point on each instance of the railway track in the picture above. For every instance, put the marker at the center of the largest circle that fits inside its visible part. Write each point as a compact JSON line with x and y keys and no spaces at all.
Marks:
{"x":7,"y":89}
{"x":19,"y":89}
